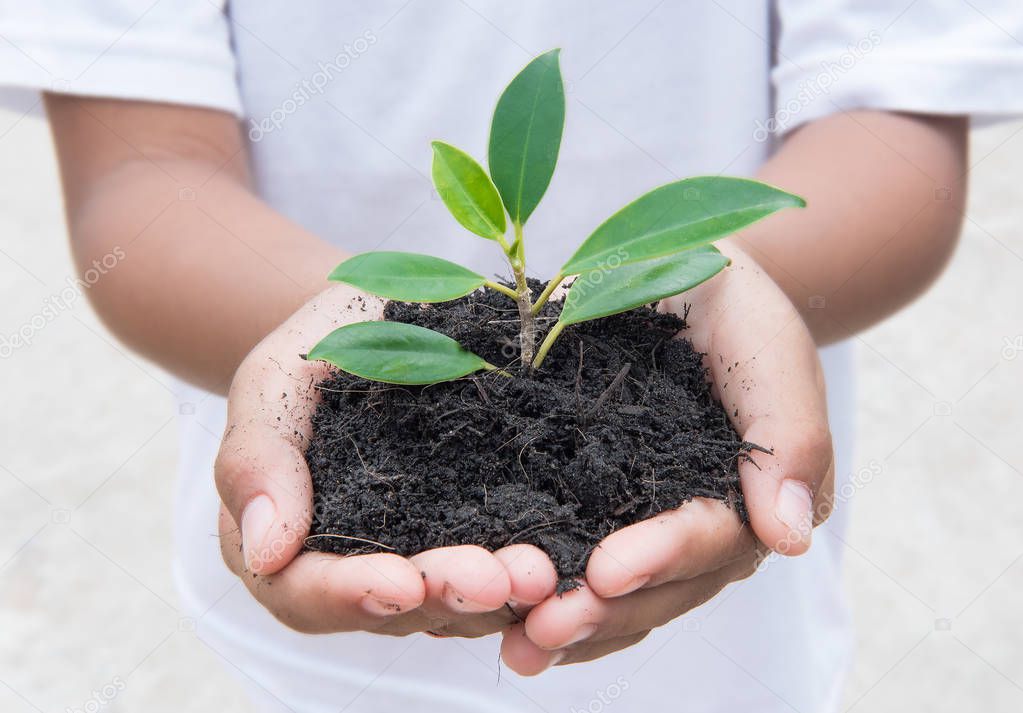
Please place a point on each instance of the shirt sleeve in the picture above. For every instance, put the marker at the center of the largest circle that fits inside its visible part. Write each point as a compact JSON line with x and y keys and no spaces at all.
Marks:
{"x":936,"y":57}
{"x":167,"y":51}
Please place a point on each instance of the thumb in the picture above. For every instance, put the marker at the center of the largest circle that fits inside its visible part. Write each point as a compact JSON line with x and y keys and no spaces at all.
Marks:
{"x":261,"y":472}
{"x":765,"y":369}
{"x":789,"y":491}
{"x":263,"y":481}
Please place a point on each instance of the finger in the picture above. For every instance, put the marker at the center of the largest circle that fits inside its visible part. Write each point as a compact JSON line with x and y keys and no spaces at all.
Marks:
{"x":581,"y":615}
{"x":464,"y":579}
{"x":527,"y":659}
{"x":531,"y":579}
{"x":523,"y":656}
{"x":464,"y":626}
{"x":788,"y":494}
{"x":264,"y":482}
{"x":531,"y":574}
{"x":765,"y":368}
{"x":701,"y":536}
{"x":590,"y":651}
{"x":469,"y":626}
{"x":323,"y":593}
{"x":260,"y":471}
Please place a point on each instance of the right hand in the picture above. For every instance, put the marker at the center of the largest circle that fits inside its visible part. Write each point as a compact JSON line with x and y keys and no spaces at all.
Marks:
{"x":265,"y":487}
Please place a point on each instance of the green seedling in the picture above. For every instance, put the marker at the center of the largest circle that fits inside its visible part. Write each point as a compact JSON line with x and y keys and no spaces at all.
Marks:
{"x":655,"y":247}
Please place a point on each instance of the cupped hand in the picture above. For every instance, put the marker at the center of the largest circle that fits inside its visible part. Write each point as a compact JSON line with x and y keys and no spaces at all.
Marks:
{"x":764,"y":367}
{"x":267,"y":510}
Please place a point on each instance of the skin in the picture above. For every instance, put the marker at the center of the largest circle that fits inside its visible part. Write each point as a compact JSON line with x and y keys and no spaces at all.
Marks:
{"x":187,"y":280}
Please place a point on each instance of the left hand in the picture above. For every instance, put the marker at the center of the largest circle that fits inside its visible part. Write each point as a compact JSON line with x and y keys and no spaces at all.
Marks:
{"x":647,"y":574}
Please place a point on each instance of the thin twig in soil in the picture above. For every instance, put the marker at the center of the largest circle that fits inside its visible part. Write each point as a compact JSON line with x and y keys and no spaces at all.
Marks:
{"x":465,"y":404}
{"x":706,"y":493}
{"x":740,"y":444}
{"x":653,"y":483}
{"x":450,"y":381}
{"x":578,"y":386}
{"x":521,"y":451}
{"x":517,"y":434}
{"x":482,"y":392}
{"x":653,"y":354}
{"x":615,"y":383}
{"x":533,"y":528}
{"x":516,"y":321}
{"x":625,"y":507}
{"x":320,"y":387}
{"x":351,"y":537}
{"x":748,"y":459}
{"x":527,"y":512}
{"x":537,"y":424}
{"x":471,"y":523}
{"x":366,"y":468}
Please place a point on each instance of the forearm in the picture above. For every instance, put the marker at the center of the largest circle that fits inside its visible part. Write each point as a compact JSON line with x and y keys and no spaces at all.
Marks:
{"x":885,"y":195}
{"x":203,"y":274}
{"x":202,"y":283}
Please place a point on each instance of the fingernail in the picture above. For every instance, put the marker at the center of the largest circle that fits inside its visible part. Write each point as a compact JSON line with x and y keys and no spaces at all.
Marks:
{"x":581,"y":634}
{"x":794,"y":508}
{"x":518,"y":608}
{"x":380,"y":607}
{"x":632,"y":585}
{"x":454,"y":599}
{"x":257,"y":518}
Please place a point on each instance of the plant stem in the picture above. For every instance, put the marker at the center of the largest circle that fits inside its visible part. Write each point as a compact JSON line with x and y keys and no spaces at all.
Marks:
{"x":504,"y":245}
{"x":518,"y":245}
{"x":498,"y":287}
{"x":523,"y":297}
{"x":548,"y":342}
{"x":497,"y":370}
{"x":551,"y":286}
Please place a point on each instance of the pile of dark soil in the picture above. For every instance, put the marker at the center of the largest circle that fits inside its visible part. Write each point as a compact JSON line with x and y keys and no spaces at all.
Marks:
{"x":618,"y":425}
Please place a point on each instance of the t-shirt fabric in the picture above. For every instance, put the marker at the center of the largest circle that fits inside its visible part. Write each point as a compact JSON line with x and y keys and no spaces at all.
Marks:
{"x":340,"y":100}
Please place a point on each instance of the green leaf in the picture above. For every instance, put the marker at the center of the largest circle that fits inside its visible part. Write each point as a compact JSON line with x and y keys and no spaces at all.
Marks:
{"x":396,"y":353}
{"x":600,"y":294}
{"x":408,"y":277}
{"x":467,"y":191}
{"x":525,"y":135}
{"x":676,"y":217}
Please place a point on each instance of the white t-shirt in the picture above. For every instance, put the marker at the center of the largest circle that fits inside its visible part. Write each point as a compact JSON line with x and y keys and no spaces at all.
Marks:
{"x":340,"y":101}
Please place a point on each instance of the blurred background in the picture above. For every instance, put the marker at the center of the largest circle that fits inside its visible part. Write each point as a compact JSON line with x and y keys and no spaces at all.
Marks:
{"x":88,"y":442}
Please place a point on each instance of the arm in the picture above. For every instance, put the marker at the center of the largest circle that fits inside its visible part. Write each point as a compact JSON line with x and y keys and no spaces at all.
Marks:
{"x":202,"y":280}
{"x":885,"y":195}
